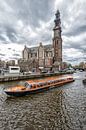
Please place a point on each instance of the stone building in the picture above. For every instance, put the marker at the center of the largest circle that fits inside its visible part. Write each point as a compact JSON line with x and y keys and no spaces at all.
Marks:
{"x":2,"y":64}
{"x":48,"y":56}
{"x":10,"y":63}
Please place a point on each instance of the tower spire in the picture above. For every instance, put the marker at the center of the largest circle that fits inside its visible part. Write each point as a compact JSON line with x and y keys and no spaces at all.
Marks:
{"x":57,"y":20}
{"x":57,"y":26}
{"x":57,"y":40}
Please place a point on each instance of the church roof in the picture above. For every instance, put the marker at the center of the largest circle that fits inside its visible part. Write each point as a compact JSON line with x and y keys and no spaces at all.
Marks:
{"x":35,"y":49}
{"x":48,"y":47}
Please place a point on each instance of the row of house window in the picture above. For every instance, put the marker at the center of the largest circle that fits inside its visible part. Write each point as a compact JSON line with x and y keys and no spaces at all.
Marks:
{"x":47,"y":54}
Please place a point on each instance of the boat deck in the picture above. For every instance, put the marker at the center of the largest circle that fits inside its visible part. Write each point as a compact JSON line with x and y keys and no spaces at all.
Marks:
{"x":42,"y":83}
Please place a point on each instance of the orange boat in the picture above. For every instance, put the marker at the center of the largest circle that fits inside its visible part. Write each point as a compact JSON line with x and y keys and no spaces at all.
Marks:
{"x":35,"y":86}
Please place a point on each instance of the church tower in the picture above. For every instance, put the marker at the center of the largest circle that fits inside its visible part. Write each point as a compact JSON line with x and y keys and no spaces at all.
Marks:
{"x":57,"y":40}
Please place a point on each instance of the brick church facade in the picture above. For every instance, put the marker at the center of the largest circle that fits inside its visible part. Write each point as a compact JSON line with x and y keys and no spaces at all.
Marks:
{"x":48,"y":56}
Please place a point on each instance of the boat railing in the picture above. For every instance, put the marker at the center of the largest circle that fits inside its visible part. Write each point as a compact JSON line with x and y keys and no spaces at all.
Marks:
{"x":48,"y":83}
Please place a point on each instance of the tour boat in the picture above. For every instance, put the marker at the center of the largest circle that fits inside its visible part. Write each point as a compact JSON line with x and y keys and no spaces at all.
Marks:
{"x":35,"y":86}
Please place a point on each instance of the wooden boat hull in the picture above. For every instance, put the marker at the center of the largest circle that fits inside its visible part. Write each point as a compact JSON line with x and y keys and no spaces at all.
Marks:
{"x":28,"y":92}
{"x":23,"y":93}
{"x":16,"y":94}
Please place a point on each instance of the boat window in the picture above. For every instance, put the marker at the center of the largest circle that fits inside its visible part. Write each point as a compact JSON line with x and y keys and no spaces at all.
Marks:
{"x":55,"y":81}
{"x":70,"y":78}
{"x":41,"y":84}
{"x":38,"y":85}
{"x":27,"y":85}
{"x":48,"y":82}
{"x":45,"y":83}
{"x":30,"y":85}
{"x":58,"y":80}
{"x":34,"y":86}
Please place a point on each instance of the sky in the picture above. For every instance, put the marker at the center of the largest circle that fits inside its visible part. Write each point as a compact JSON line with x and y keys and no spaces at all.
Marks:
{"x":29,"y":22}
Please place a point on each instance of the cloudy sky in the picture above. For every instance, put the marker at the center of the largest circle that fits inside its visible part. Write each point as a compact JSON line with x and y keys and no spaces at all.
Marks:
{"x":31,"y":21}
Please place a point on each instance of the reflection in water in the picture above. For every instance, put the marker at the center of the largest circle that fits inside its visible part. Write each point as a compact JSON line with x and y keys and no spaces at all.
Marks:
{"x":63,"y":108}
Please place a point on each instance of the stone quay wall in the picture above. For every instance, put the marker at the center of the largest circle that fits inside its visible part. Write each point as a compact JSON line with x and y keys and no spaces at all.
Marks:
{"x":25,"y":77}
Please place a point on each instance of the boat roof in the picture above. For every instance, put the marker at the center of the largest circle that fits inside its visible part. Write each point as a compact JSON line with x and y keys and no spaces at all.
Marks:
{"x":46,"y":79}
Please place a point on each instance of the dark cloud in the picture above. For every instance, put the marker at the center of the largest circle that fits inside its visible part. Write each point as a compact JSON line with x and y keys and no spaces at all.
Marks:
{"x":2,"y":38}
{"x":2,"y":54}
{"x":78,"y":46}
{"x":16,"y":55}
{"x":9,"y":48}
{"x":31,"y":21}
{"x":76,"y":31}
{"x":14,"y":58}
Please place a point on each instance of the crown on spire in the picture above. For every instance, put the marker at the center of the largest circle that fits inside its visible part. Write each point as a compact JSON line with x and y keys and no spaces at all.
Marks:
{"x":57,"y":20}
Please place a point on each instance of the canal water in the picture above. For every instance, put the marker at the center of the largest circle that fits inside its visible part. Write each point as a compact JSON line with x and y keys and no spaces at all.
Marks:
{"x":63,"y":108}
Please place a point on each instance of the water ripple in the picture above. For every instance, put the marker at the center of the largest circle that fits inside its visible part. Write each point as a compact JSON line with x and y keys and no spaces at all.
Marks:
{"x":63,"y":108}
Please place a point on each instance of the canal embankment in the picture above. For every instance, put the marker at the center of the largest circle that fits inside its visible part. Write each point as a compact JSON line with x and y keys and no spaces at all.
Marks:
{"x":63,"y":108}
{"x":9,"y":78}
